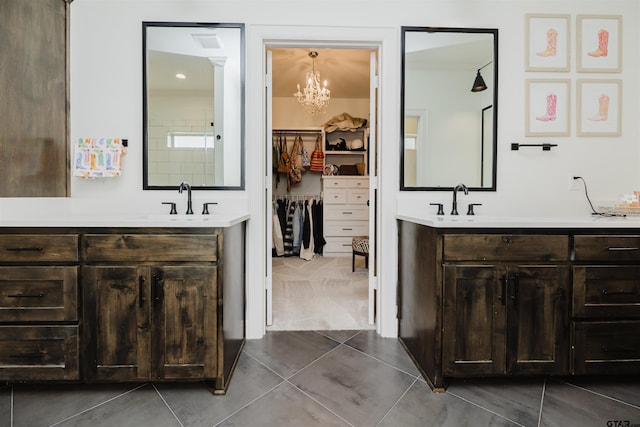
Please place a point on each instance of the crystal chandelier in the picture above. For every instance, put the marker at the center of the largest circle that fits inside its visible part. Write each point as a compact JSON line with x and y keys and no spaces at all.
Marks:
{"x":315,"y":97}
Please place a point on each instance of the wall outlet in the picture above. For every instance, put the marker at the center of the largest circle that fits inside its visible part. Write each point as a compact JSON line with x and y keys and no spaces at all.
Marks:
{"x":573,"y":183}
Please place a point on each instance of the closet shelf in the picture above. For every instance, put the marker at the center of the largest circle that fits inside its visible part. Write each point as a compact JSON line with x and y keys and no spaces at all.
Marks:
{"x":352,"y":152}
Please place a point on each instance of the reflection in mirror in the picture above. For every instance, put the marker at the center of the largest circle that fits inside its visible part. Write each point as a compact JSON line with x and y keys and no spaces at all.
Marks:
{"x":193,"y":105}
{"x":448,"y":132}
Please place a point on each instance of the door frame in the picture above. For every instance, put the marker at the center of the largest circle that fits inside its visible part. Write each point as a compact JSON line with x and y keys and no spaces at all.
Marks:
{"x":371,"y":161}
{"x":387,"y":40}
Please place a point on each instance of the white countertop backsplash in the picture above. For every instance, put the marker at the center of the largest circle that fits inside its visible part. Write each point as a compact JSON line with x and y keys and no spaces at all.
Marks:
{"x":89,"y":212}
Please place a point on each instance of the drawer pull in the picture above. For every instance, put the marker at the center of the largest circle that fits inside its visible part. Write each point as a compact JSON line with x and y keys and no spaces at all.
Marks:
{"x":516,"y":285}
{"x":621,"y":249}
{"x":31,"y":249}
{"x":347,"y":213}
{"x":35,"y":355}
{"x":157,"y":292}
{"x":607,"y":293}
{"x":504,"y":289}
{"x":347,"y":229}
{"x":21,"y":295}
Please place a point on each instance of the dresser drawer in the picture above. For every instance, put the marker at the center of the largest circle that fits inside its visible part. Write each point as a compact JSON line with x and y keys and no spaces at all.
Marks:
{"x":334,"y":183}
{"x":334,"y":196}
{"x":606,"y":347}
{"x":142,"y":247}
{"x":354,"y":212}
{"x":501,"y":247}
{"x":606,"y":291}
{"x":357,"y":197}
{"x":337,"y":245}
{"x":346,"y":228}
{"x":38,"y":294}
{"x":34,"y":248}
{"x":358,"y":183}
{"x":607,"y":248}
{"x":39,"y":353}
{"x":345,"y":182}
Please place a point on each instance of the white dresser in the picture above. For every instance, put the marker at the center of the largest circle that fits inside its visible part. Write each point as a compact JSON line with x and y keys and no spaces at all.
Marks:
{"x":346,"y":213}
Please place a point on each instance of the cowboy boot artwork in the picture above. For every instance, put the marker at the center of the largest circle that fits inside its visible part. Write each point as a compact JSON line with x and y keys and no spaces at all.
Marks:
{"x":552,"y":100}
{"x":552,"y":42}
{"x":603,"y":109}
{"x":603,"y":45}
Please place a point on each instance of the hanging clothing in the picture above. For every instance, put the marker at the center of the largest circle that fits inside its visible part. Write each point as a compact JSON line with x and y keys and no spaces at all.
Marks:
{"x":297,"y":227}
{"x":306,"y":228}
{"x":318,"y":232}
{"x":288,"y":231}
{"x":278,"y":243}
{"x":307,"y":252}
{"x":282,"y":214}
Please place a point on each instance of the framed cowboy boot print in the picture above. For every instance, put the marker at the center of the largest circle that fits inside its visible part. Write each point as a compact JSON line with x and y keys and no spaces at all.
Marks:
{"x":547,"y":41}
{"x":547,"y":107}
{"x":599,"y":43}
{"x":599,"y":107}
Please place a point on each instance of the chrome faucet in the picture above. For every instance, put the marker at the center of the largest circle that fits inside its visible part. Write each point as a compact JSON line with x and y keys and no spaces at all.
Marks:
{"x":454,"y":209}
{"x":185,"y":186}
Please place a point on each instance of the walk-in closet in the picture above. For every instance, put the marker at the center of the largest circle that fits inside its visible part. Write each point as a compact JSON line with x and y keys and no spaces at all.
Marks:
{"x":320,"y":189}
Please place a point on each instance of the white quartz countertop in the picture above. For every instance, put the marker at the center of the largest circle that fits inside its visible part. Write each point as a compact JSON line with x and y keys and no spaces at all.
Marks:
{"x":109,"y":212}
{"x":480,"y":221}
{"x":126,"y":220}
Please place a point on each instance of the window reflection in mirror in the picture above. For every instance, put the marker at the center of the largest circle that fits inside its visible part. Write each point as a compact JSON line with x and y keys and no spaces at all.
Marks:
{"x":193,"y":105}
{"x":448,"y":131}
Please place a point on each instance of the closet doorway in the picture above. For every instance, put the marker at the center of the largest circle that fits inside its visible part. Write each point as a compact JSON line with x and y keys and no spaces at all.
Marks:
{"x":312,"y":282}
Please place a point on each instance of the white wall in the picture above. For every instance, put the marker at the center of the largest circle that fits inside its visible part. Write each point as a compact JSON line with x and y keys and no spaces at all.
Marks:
{"x":106,"y":100}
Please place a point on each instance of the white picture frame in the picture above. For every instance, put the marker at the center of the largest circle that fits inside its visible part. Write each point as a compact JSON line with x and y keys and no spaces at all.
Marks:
{"x":547,"y":42}
{"x":548,"y":107}
{"x":599,"y":107}
{"x":599,"y":45}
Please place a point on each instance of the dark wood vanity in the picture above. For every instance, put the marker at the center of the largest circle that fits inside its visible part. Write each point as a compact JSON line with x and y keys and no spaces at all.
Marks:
{"x":476,"y":302}
{"x":128,"y":304}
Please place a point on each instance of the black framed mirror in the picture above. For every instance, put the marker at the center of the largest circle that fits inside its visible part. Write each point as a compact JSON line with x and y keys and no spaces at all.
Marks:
{"x":449,"y":131}
{"x":193,"y":105}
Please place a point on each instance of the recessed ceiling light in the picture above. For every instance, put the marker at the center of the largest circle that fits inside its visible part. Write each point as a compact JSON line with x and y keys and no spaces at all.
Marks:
{"x":181,"y":76}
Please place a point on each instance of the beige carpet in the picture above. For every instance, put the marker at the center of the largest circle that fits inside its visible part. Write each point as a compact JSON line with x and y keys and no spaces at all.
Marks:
{"x":321,"y":294}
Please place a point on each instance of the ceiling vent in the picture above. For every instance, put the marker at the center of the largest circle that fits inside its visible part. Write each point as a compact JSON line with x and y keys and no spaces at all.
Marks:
{"x":207,"y":41}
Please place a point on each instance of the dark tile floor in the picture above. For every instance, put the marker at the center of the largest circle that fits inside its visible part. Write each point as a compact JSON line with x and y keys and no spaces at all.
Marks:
{"x":328,"y":378}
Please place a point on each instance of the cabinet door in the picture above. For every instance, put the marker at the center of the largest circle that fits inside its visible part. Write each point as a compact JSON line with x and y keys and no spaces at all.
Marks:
{"x":474,"y":321}
{"x":116,"y":323}
{"x":537,"y":320}
{"x":184,"y":322}
{"x":34,"y":143}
